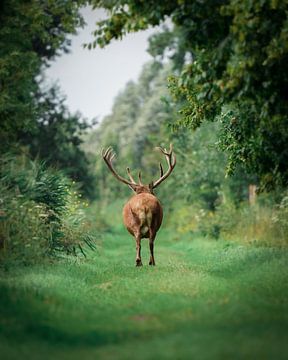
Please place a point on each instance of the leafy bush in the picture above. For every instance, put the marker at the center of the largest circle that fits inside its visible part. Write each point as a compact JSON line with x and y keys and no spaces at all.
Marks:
{"x":257,"y":224}
{"x":280,"y":218}
{"x":24,"y":235}
{"x":40,"y":212}
{"x":262,"y":223}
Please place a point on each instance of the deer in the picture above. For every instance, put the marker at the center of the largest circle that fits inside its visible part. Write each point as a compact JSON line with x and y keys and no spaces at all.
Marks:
{"x":143,"y":213}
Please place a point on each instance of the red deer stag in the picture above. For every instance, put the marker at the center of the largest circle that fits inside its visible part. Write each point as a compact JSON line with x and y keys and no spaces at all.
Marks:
{"x":142,"y":214}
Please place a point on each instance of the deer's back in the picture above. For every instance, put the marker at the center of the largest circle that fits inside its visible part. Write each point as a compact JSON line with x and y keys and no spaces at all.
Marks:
{"x":142,"y":213}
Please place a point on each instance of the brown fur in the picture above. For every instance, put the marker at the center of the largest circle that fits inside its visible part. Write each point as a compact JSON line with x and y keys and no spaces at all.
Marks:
{"x":142,"y":216}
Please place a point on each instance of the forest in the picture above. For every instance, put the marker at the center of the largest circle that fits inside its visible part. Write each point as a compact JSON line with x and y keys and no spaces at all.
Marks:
{"x":216,"y":88}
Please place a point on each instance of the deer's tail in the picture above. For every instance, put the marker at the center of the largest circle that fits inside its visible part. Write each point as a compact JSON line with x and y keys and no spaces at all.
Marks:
{"x":144,"y":219}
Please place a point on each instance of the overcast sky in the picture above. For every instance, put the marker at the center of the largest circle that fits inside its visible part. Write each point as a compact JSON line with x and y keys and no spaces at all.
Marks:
{"x":92,"y":78}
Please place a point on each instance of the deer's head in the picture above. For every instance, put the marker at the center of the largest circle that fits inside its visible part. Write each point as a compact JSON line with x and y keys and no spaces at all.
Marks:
{"x":108,"y":155}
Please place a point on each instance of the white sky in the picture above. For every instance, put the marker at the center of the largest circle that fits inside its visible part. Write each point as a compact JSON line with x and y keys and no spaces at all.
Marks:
{"x":92,"y":78}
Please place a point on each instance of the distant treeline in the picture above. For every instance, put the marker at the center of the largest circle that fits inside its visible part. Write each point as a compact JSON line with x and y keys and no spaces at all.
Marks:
{"x":197,"y":197}
{"x":225,"y":110}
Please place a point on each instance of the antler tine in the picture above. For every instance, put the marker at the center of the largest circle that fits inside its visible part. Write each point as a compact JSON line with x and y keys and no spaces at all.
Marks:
{"x":130,"y":175}
{"x":164,"y":150}
{"x":140,"y":178}
{"x":161,"y":169}
{"x":108,"y":156}
{"x":113,"y":155}
{"x":174,"y":160}
{"x":171,"y":161}
{"x":105,"y":152}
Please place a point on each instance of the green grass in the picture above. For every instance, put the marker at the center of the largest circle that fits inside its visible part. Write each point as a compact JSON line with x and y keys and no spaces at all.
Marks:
{"x":203,"y":300}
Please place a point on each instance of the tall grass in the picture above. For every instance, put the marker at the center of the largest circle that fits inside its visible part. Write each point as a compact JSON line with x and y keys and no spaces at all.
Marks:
{"x":265,"y":222}
{"x":40,"y":212}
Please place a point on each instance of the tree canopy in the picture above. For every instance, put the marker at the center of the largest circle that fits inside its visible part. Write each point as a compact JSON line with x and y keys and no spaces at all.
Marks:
{"x":33,"y":33}
{"x":232,"y":61}
{"x":141,"y":119}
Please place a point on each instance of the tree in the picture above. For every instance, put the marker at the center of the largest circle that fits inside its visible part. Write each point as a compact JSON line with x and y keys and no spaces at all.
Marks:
{"x":31,"y":34}
{"x":141,"y":119}
{"x":57,"y":139}
{"x":238,"y":73}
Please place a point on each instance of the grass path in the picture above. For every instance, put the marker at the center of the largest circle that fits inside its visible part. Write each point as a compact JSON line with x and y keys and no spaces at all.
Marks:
{"x":203,"y":300}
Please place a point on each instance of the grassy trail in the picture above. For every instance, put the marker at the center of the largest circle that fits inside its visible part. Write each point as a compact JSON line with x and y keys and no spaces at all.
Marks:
{"x":203,"y":300}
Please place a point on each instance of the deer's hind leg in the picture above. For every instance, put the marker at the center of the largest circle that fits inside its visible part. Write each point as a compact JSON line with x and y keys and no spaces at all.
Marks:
{"x":138,"y":250}
{"x":152,"y":235}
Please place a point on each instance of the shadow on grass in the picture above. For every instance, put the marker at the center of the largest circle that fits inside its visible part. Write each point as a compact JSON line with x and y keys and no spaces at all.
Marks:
{"x":23,"y":318}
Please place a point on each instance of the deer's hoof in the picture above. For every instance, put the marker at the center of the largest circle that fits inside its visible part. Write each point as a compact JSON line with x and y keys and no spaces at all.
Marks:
{"x":138,"y":262}
{"x":152,"y":263}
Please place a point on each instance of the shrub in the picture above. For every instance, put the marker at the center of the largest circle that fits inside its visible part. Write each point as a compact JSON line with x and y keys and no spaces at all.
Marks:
{"x":40,"y":212}
{"x":265,"y":222}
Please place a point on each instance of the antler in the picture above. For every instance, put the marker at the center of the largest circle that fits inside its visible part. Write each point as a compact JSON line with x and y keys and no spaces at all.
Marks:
{"x":108,"y":156}
{"x":171,"y":161}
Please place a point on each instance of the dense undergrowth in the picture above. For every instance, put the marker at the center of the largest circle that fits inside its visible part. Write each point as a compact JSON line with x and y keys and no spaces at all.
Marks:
{"x":41,"y":212}
{"x":263,"y":223}
{"x":43,"y":216}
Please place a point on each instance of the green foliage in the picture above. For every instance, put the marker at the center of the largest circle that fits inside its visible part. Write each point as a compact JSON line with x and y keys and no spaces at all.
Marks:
{"x":57,"y":139}
{"x":261,"y":224}
{"x":280,"y":217}
{"x":24,"y":236}
{"x":238,"y":60}
{"x":31,"y":34}
{"x":265,"y":142}
{"x":126,"y":17}
{"x":40,"y":212}
{"x":197,"y":197}
{"x":137,"y":116}
{"x":33,"y":180}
